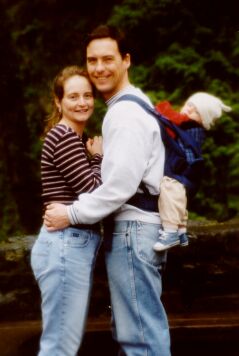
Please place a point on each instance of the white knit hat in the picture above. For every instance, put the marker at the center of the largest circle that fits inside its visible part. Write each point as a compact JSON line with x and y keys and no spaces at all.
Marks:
{"x":209,"y":107}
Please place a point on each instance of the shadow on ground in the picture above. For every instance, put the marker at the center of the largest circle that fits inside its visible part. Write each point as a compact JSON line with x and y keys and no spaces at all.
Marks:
{"x":200,"y":294}
{"x":185,"y":343}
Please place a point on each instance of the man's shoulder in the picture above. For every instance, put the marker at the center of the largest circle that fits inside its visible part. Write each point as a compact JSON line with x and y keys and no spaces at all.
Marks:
{"x":129,"y":91}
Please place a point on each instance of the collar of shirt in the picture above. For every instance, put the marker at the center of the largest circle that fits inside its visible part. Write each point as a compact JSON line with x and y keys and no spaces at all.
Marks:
{"x":115,"y":97}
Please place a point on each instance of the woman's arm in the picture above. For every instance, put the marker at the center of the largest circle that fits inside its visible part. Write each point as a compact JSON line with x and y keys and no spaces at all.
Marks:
{"x":71,"y":160}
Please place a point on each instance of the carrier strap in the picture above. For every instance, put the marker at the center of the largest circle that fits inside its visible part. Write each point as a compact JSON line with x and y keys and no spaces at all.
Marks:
{"x":163,"y":122}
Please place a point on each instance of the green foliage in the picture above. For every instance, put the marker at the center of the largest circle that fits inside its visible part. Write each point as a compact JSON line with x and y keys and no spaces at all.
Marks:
{"x":177,"y":47}
{"x":219,"y":191}
{"x":95,"y":122}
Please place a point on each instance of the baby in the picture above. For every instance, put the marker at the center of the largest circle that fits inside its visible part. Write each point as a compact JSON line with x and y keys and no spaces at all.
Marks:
{"x":199,"y":113}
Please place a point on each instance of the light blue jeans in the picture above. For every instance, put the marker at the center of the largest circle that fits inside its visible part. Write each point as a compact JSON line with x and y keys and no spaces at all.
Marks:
{"x":134,"y":272}
{"x":63,"y":262}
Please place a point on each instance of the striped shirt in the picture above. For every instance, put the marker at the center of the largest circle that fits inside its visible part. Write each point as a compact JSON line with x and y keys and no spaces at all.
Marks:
{"x":66,"y":170}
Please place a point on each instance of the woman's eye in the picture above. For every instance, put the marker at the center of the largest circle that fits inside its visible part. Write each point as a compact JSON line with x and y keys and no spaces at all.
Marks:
{"x":88,"y":96}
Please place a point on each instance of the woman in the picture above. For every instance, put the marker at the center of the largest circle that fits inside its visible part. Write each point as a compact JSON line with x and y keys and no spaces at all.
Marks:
{"x":63,"y":261}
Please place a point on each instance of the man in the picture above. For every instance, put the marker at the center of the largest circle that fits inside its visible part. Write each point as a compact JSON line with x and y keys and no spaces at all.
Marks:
{"x":133,"y":154}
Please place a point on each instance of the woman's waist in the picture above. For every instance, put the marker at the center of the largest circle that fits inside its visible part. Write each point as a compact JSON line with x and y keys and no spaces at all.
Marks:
{"x":95,"y":227}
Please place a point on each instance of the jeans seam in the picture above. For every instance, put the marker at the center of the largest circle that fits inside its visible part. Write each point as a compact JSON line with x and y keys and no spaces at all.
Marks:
{"x":62,"y":272}
{"x":133,"y":283}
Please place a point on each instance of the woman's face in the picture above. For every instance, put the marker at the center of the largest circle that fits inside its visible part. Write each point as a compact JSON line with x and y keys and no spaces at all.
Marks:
{"x":77,"y":104}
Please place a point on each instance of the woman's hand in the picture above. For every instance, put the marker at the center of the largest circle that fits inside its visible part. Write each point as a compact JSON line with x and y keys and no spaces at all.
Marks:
{"x":94,"y":145}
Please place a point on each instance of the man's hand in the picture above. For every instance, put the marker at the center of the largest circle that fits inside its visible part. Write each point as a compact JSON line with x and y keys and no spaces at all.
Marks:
{"x":56,"y":217}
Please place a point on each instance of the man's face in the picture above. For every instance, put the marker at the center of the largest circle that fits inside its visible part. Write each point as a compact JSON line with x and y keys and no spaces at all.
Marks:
{"x":107,"y":69}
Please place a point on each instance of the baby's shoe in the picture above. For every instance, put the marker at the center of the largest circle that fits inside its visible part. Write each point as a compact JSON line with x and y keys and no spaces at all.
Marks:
{"x":166,"y":240}
{"x":183,"y":239}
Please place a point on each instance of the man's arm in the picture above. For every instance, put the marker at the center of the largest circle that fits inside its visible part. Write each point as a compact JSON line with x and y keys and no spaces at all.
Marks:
{"x":127,"y":149}
{"x":56,"y":217}
{"x":120,"y":182}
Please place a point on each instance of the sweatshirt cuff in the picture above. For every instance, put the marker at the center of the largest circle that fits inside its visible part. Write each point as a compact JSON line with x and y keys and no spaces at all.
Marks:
{"x":72,"y":215}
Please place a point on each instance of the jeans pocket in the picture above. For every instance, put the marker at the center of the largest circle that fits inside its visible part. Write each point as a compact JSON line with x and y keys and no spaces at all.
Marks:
{"x":77,"y":238}
{"x":81,"y":248}
{"x":147,"y":235}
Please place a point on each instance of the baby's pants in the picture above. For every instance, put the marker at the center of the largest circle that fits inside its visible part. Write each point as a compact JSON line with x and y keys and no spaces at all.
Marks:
{"x":172,"y":204}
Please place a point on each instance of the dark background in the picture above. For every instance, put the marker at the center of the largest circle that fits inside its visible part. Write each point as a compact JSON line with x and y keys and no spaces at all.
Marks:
{"x":178,"y":47}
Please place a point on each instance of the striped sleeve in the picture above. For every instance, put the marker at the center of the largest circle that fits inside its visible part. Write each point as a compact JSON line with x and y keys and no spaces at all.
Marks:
{"x":71,"y":160}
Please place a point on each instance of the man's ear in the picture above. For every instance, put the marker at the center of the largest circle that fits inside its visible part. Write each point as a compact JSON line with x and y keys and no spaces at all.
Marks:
{"x":127,"y":60}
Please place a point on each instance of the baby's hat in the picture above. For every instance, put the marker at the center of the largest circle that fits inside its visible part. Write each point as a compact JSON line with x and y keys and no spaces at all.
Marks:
{"x":209,"y":107}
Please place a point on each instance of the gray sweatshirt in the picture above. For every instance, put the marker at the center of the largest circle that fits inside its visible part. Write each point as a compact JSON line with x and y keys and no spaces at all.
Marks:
{"x":133,"y":152}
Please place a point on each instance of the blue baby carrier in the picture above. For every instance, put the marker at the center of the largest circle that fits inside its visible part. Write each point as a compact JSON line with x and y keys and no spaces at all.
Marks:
{"x":179,"y":164}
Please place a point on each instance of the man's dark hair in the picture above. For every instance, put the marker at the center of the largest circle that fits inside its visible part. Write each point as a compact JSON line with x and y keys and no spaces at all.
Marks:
{"x":104,"y":31}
